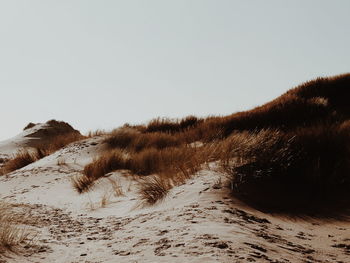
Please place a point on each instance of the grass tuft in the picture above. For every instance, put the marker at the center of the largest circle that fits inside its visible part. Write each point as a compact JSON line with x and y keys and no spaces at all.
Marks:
{"x":82,"y":183}
{"x":153,"y":189}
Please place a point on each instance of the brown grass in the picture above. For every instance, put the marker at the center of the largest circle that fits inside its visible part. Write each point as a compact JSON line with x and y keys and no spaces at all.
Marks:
{"x":108,"y":162}
{"x":166,"y":125}
{"x":177,"y":162}
{"x":82,"y":183}
{"x":133,"y":140}
{"x":303,"y":171}
{"x":153,"y":189}
{"x":62,"y":140}
{"x":323,"y":99}
{"x":22,"y":159}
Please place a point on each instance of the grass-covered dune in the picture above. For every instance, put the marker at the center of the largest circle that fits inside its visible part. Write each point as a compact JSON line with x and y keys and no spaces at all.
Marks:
{"x":291,"y":154}
{"x":320,"y":100}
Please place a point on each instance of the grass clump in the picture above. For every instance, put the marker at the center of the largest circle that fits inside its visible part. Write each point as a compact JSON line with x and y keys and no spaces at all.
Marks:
{"x":62,"y":140}
{"x":21,"y":159}
{"x":153,"y":189}
{"x":302,"y":171}
{"x":82,"y":183}
{"x":133,"y":140}
{"x":166,"y":125}
{"x":108,"y":162}
{"x":174,"y":162}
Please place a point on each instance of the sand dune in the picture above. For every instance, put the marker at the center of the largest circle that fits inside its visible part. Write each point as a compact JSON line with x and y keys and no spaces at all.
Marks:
{"x":197,"y":222}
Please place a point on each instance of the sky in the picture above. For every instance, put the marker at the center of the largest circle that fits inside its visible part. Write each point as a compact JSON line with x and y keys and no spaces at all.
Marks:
{"x":100,"y":64}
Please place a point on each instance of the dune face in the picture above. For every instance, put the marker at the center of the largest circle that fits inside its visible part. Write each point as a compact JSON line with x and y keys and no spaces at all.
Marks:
{"x":180,"y":191}
{"x":41,"y":136}
{"x":36,"y":136}
{"x":51,"y":128}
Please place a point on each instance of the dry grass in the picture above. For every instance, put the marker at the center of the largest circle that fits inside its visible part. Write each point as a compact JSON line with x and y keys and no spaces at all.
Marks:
{"x":22,"y":159}
{"x":11,"y":236}
{"x":153,"y":189}
{"x":110,"y":161}
{"x":95,"y":133}
{"x":105,"y":199}
{"x":304,"y":171}
{"x":150,"y":161}
{"x":82,"y":183}
{"x":106,"y":163}
{"x":117,"y":189}
{"x":177,"y":162}
{"x":323,"y":99}
{"x":133,"y":140}
{"x":170,"y":126}
{"x":60,"y":141}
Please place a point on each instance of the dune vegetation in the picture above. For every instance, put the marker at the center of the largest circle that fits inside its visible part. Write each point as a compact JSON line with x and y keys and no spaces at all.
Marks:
{"x":22,"y":158}
{"x":291,"y":154}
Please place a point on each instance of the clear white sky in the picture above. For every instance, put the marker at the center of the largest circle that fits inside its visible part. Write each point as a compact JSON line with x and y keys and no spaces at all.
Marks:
{"x":98,"y":64}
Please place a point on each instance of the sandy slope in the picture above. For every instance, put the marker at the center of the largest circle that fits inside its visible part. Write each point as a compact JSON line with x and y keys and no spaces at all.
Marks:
{"x":198,"y":221}
{"x":12,"y":145}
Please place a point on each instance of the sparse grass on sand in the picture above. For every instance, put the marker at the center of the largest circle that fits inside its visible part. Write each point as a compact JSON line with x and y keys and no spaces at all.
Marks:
{"x":82,"y":183}
{"x":153,"y":189}
{"x":176,"y":163}
{"x":11,"y":235}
